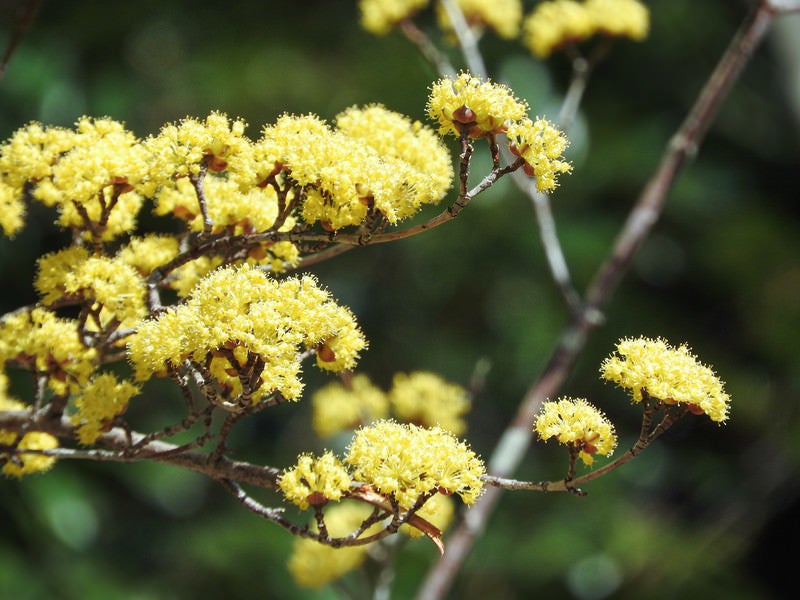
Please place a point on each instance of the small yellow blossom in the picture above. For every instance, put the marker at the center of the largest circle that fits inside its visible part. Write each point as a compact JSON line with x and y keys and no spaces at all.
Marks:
{"x":468,"y":105}
{"x":148,"y":252}
{"x":554,"y":24}
{"x":215,"y":144}
{"x":243,"y":321}
{"x":315,"y":481}
{"x":576,"y":423}
{"x":629,"y":18}
{"x":541,"y":145}
{"x":27,"y":338}
{"x":557,"y":23}
{"x":107,"y":285}
{"x":428,"y":400}
{"x":407,"y":461}
{"x":95,"y":184}
{"x":670,"y":375}
{"x":503,"y":16}
{"x":12,"y":209}
{"x":102,"y":400}
{"x":338,"y":408}
{"x":20,"y":464}
{"x":380,"y":16}
{"x":314,"y":565}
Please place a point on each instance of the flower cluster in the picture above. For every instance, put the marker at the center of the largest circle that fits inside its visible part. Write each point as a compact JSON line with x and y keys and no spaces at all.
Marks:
{"x":23,"y":463}
{"x":420,"y":397}
{"x":503,"y":16}
{"x":315,"y":481}
{"x":27,"y":339}
{"x":339,"y":407}
{"x":102,"y":400}
{"x":469,"y":106}
{"x":653,"y":368}
{"x":576,"y":423}
{"x":408,"y":462}
{"x":557,"y":23}
{"x":380,"y":16}
{"x":246,"y":328}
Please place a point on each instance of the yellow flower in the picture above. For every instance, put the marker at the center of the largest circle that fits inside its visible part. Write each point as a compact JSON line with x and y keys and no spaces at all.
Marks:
{"x":12,"y":209}
{"x":107,"y":285}
{"x":669,"y":375}
{"x":541,"y":145}
{"x":558,"y":23}
{"x":417,"y":168}
{"x":95,"y":183}
{"x":437,"y":510}
{"x":380,"y":16}
{"x":554,"y":24}
{"x":407,"y":461}
{"x":629,"y":18}
{"x":250,"y":327}
{"x":467,"y":104}
{"x":576,"y":423}
{"x":99,"y":403}
{"x":148,"y":252}
{"x":427,"y":399}
{"x":27,"y":338}
{"x":503,"y":16}
{"x":315,"y":481}
{"x":337,"y":408}
{"x":21,"y":464}
{"x":314,"y":565}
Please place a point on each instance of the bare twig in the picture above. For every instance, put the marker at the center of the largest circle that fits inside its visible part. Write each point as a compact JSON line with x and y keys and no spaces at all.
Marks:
{"x":25,"y":17}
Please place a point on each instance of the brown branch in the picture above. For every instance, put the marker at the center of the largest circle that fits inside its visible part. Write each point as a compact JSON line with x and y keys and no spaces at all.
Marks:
{"x":516,"y":439}
{"x":25,"y":17}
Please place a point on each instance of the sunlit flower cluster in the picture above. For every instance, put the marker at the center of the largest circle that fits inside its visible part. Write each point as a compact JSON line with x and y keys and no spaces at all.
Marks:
{"x":239,"y":321}
{"x":98,"y":403}
{"x":575,"y":422}
{"x":557,"y":23}
{"x":653,"y":368}
{"x":113,"y":289}
{"x":541,"y":146}
{"x":21,"y":463}
{"x":315,"y":481}
{"x":407,"y":462}
{"x":375,"y":160}
{"x":503,"y":16}
{"x":49,"y":345}
{"x":380,"y":16}
{"x":471,"y":106}
{"x":339,"y":407}
{"x":314,"y":565}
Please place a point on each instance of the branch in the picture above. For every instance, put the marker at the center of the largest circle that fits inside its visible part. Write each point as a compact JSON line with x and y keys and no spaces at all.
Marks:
{"x":516,"y":439}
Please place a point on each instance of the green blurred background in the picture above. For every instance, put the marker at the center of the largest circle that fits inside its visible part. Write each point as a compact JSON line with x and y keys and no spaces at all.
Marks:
{"x":708,"y":511}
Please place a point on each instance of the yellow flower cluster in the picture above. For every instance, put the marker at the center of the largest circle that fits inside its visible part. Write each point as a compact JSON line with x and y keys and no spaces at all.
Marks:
{"x":337,"y":407}
{"x":557,"y":23}
{"x":407,"y":462}
{"x":541,"y":145}
{"x":473,"y":107}
{"x":669,"y":375}
{"x":575,"y":422}
{"x":23,"y":463}
{"x":314,"y":565}
{"x":102,"y":400}
{"x":504,"y":16}
{"x":380,"y":16}
{"x":375,"y":159}
{"x":315,"y":481}
{"x":467,"y":105}
{"x":27,"y":338}
{"x":438,"y":510}
{"x":112,"y":288}
{"x":240,"y":322}
{"x":426,"y":399}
